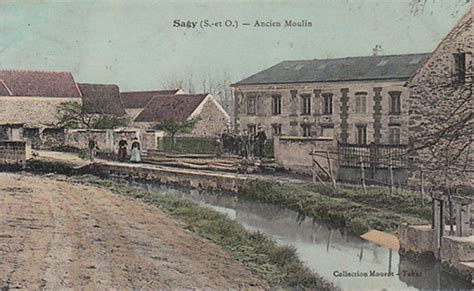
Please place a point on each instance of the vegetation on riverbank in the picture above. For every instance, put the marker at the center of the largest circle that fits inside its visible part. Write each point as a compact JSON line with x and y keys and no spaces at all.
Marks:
{"x":347,"y":207}
{"x":277,"y":265}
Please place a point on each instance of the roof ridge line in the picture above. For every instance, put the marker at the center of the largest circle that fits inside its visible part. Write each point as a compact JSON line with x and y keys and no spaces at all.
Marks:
{"x":354,"y":57}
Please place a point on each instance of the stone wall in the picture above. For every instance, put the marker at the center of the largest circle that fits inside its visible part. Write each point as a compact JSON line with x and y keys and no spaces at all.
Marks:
{"x":416,"y":240}
{"x":14,"y":152}
{"x":341,"y":124}
{"x":292,"y":153}
{"x":455,"y":252}
{"x":212,"y":121}
{"x":36,"y":112}
{"x":107,"y":140}
{"x":435,"y":93}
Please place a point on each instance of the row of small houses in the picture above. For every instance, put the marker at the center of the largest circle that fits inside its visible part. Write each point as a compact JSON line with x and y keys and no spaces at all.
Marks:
{"x":30,"y":100}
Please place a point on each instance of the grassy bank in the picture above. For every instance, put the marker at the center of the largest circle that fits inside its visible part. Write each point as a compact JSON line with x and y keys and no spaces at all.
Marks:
{"x":277,"y":265}
{"x":347,"y":207}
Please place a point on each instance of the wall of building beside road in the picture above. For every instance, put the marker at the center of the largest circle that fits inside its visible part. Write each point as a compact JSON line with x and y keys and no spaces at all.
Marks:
{"x":293,"y":153}
{"x":14,"y":152}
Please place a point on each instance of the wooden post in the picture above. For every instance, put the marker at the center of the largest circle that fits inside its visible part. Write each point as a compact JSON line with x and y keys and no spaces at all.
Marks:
{"x":391,"y":177}
{"x":313,"y":166}
{"x":362,"y":174}
{"x":451,"y":222}
{"x":330,"y":171}
{"x":422,"y":188}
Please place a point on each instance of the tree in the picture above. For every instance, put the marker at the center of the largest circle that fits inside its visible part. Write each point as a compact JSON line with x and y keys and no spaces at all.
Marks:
{"x":217,"y":85}
{"x":172,"y":127}
{"x":73,"y":115}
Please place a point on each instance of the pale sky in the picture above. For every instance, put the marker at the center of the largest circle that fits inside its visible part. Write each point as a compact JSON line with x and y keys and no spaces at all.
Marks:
{"x":134,"y":44}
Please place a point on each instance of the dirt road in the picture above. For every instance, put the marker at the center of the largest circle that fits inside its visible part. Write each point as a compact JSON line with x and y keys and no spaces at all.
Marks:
{"x":54,"y":234}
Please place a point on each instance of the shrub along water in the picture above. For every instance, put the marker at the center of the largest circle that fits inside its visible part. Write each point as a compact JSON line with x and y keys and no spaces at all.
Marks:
{"x":347,"y":207}
{"x":277,"y":265}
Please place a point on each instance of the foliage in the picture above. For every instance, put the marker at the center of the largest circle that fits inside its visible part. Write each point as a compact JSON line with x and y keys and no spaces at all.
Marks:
{"x":188,"y":145}
{"x":277,"y":265}
{"x":340,"y":208}
{"x":73,"y":115}
{"x":172,"y":127}
{"x":358,"y":226}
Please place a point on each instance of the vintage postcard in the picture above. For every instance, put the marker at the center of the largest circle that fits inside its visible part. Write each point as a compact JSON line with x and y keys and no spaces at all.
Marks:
{"x":236,"y":145}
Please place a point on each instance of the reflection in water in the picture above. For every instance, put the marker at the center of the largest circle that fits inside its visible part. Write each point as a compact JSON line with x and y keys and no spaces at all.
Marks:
{"x":347,"y":260}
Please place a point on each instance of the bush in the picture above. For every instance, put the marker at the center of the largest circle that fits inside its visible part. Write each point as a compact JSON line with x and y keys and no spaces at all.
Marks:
{"x":188,"y":145}
{"x":358,"y":226}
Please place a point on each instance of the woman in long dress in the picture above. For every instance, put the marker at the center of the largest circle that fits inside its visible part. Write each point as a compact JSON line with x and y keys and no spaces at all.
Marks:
{"x":135,"y":156}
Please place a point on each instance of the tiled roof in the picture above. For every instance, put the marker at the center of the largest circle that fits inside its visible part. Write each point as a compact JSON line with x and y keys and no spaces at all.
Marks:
{"x":178,"y":107}
{"x":4,"y":91}
{"x":139,"y":99}
{"x":40,"y":84}
{"x":99,"y":98}
{"x":342,"y":69}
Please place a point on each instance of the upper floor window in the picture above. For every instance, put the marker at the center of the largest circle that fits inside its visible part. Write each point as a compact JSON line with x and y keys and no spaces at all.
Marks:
{"x":361,"y":134}
{"x":276,"y":104}
{"x":276,"y":127}
{"x":305,"y":104}
{"x":361,"y":102}
{"x":395,"y":102}
{"x":327,"y":103}
{"x":251,"y":105}
{"x":460,"y":68}
{"x":394,"y":135}
{"x":306,"y":129}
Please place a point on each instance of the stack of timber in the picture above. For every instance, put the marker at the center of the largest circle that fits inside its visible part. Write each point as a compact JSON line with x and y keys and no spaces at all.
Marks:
{"x":209,"y":162}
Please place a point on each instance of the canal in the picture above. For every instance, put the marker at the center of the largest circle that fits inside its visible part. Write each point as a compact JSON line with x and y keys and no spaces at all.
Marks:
{"x":347,"y":260}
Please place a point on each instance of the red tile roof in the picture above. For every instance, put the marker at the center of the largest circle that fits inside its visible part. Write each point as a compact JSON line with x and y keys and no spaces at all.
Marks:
{"x":41,"y":84}
{"x":178,"y":107}
{"x":139,"y":99}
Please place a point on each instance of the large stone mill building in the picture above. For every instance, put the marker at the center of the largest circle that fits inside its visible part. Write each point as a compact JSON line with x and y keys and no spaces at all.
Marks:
{"x":355,"y":99}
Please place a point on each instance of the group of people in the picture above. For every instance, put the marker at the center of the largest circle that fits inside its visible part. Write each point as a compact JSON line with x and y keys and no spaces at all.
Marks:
{"x":135,"y":154}
{"x":245,"y":143}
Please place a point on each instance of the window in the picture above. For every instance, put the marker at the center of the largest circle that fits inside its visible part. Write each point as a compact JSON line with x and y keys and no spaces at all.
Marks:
{"x":327,"y":103}
{"x":361,"y":102}
{"x":361,"y":134}
{"x":276,"y":104}
{"x":395,"y":102}
{"x":252,"y":129}
{"x":459,"y":68}
{"x":305,"y":104}
{"x":306,"y":130}
{"x":394,"y":135}
{"x":251,"y":105}
{"x":276,"y":129}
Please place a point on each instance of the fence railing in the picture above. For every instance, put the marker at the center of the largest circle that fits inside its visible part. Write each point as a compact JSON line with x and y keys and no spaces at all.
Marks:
{"x":373,"y":155}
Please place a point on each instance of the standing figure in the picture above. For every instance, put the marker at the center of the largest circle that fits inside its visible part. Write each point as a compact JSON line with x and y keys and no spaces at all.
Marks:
{"x":261,"y":139}
{"x":245,"y":144}
{"x":218,"y":147}
{"x":135,"y":156}
{"x":122,"y":152}
{"x":225,"y":141}
{"x":92,"y":148}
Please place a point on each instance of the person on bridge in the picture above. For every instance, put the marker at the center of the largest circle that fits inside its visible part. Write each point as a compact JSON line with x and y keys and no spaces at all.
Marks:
{"x":122,"y":152}
{"x":135,"y":156}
